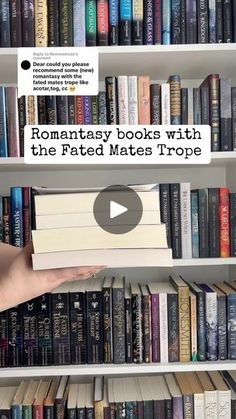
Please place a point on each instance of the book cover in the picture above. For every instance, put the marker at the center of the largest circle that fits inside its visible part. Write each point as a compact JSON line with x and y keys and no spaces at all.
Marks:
{"x":41,"y":105}
{"x":62,"y":110}
{"x":71,"y":110}
{"x":225,"y":115}
{"x":136,"y":310}
{"x":30,"y":335}
{"x":4,"y":342}
{"x":78,"y":328}
{"x":15,"y":337}
{"x":79,"y":23}
{"x":184,"y":106}
{"x":133,"y":100}
{"x":165,"y":210}
{"x":214,"y":222}
{"x":147,"y":322}
{"x":227,"y":20}
{"x":125,"y":22}
{"x":91,"y":22}
{"x":203,"y":223}
{"x":3,"y":124}
{"x":60,"y":327}
{"x":185,"y":209}
{"x":211,"y":323}
{"x":175,"y":100}
{"x":51,"y":110}
{"x":6,"y":220}
{"x":128,"y":327}
{"x":66,"y":37}
{"x":137,"y":22}
{"x":224,"y":223}
{"x":15,"y":23}
{"x":175,"y":220}
{"x":12,"y":122}
{"x":118,"y":302}
{"x":202,"y":21}
{"x":212,"y":21}
{"x":166,"y":22}
{"x":102,"y":22}
{"x":232,"y":199}
{"x":5,"y":32}
{"x":144,"y":100}
{"x":123,"y":104}
{"x":102,"y":108}
{"x":16,"y":205}
{"x":114,"y":35}
{"x":219,"y":21}
{"x":41,"y":23}
{"x":111,"y":100}
{"x":53,"y":23}
{"x":44,"y":325}
{"x":155,"y":101}
{"x":94,"y":109}
{"x":107,"y":322}
{"x":28,"y":23}
{"x":94,"y":326}
{"x":176,"y":21}
{"x":148,"y":22}
{"x":157,"y":22}
{"x":191,"y":22}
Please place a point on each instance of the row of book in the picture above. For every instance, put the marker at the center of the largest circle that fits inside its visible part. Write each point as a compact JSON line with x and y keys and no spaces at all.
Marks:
{"x":108,"y":321}
{"x":109,"y":22}
{"x":126,"y":100}
{"x":179,"y":395}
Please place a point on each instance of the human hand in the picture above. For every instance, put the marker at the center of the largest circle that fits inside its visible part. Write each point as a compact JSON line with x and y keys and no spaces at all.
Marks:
{"x":19,"y":283}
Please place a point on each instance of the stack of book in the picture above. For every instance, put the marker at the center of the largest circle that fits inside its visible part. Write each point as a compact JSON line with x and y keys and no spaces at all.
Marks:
{"x":67,"y":233}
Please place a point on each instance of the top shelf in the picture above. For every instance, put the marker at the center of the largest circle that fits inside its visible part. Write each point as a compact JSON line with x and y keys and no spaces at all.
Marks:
{"x":193,"y":61}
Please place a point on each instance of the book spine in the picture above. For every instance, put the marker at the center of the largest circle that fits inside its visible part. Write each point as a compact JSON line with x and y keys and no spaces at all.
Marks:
{"x":227,"y":24}
{"x":130,"y":410}
{"x":155,"y":101}
{"x":193,"y":321}
{"x":28,"y":23}
{"x":30,"y":336}
{"x":26,"y":215}
{"x":44,"y":325}
{"x":205,"y":105}
{"x":166,"y":22}
{"x":60,"y":329}
{"x":4,"y":343}
{"x":87,"y":110}
{"x":144,"y":100}
{"x":107,"y":326}
{"x":16,"y":205}
{"x":41,"y":23}
{"x":233,"y":104}
{"x":5,"y":24}
{"x":158,"y":409}
{"x":94,"y":109}
{"x":188,"y":406}
{"x":211,"y":326}
{"x":66,"y":36}
{"x":125,"y":22}
{"x":79,"y":108}
{"x":3,"y":124}
{"x":203,"y":223}
{"x":111,"y":97}
{"x":173,"y":328}
{"x":15,"y":23}
{"x":51,"y":110}
{"x":233,"y":224}
{"x":219,"y":21}
{"x":137,"y":24}
{"x":78,"y":327}
{"x":197,"y":117}
{"x":195,"y":224}
{"x":184,"y":105}
{"x":123,"y":104}
{"x":214,"y":112}
{"x":203,"y":27}
{"x":168,"y":409}
{"x":201,"y":326}
{"x":190,"y":106}
{"x":212,"y":21}
{"x":31,"y":110}
{"x":114,"y":22}
{"x":176,"y":21}
{"x":225,"y":116}
{"x":42,"y":119}
{"x":165,"y":104}
{"x":94,"y":327}
{"x":91,"y":22}
{"x":1,"y":218}
{"x":15,"y":337}
{"x":12,"y":122}
{"x":214,"y":222}
{"x":102,"y":108}
{"x":178,"y":407}
{"x":6,"y":222}
{"x":133,"y":100}
{"x":79,"y":23}
{"x":231,"y":317}
{"x":163,"y":327}
{"x":118,"y":300}
{"x":53,"y":23}
{"x":136,"y":310}
{"x":148,"y":22}
{"x":175,"y":220}
{"x":191,"y":22}
{"x":147,"y":332}
{"x":155,"y":328}
{"x":128,"y":331}
{"x":157,"y":22}
{"x":222,"y":327}
{"x":71,"y":110}
{"x":186,"y":237}
{"x":233,"y":409}
{"x":175,"y":100}
{"x":184,"y":324}
{"x":102,"y":22}
{"x":62,"y":110}
{"x":211,"y":404}
{"x":224,"y":223}
{"x":199,"y":405}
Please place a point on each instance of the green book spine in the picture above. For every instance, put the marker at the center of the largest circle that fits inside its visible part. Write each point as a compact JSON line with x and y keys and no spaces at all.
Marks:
{"x":91,"y":23}
{"x":66,"y":23}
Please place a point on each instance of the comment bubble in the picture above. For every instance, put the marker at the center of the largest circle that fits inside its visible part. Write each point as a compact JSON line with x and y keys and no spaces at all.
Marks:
{"x":57,"y":71}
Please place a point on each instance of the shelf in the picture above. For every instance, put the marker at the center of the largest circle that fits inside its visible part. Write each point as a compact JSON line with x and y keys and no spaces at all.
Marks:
{"x":15,"y":164}
{"x":124,"y":369}
{"x":159,"y":61}
{"x":204,"y":262}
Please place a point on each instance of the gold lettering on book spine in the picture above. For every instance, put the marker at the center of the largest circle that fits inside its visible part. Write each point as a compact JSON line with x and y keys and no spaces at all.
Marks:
{"x":175,"y":98}
{"x":184,"y":325}
{"x":41,"y":23}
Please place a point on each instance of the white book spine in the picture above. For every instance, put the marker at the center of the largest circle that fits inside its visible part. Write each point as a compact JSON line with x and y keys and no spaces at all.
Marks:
{"x":190,"y":106}
{"x":163,"y":312}
{"x":165,"y":104}
{"x":224,"y":404}
{"x":186,"y":234}
{"x":211,"y":405}
{"x":199,"y":406}
{"x":123,"y":104}
{"x":133,"y":99}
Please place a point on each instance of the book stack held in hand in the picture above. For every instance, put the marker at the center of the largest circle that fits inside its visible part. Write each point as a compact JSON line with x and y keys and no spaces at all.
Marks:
{"x":67,"y":234}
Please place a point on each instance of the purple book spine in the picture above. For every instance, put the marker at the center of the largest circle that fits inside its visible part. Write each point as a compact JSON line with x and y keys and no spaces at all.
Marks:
{"x":28,"y":29}
{"x":155,"y":329}
{"x":178,"y":407}
{"x":87,"y":110}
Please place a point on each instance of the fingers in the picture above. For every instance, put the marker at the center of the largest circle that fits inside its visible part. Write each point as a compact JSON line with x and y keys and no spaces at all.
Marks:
{"x":68,"y":274}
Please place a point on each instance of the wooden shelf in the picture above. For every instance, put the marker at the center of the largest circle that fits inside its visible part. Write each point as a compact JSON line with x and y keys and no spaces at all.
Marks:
{"x":159,"y":61}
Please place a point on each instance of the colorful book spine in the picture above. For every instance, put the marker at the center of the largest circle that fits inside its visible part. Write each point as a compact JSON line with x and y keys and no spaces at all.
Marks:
{"x":3,"y":124}
{"x":16,"y":217}
{"x":60,"y":329}
{"x":144,"y":100}
{"x":41,"y":23}
{"x":4,"y":341}
{"x":79,"y":108}
{"x":133,"y":99}
{"x":227,"y":20}
{"x":219,"y":21}
{"x":136,"y":310}
{"x":165,"y":104}
{"x":148,"y":22}
{"x":107,"y":325}
{"x":44,"y":325}
{"x":87,"y":110}
{"x":212,"y":21}
{"x":225,"y":115}
{"x":137,"y":24}
{"x":175,"y":100}
{"x":102,"y":22}
{"x":201,"y":326}
{"x":6,"y":219}
{"x":114,"y":22}
{"x":193,"y":329}
{"x":222,"y":327}
{"x":175,"y":220}
{"x":186,"y":237}
{"x":125,"y":22}
{"x":233,"y":107}
{"x":203,"y":25}
{"x":94,"y":327}
{"x":128,"y":329}
{"x":111,"y":99}
{"x":165,"y":210}
{"x":205,"y":106}
{"x":79,"y":23}
{"x":214,"y":222}
{"x":28,"y":23}
{"x":12,"y":122}
{"x":15,"y":23}
{"x":166,"y":22}
{"x":146,"y":313}
{"x":91,"y":22}
{"x":26,"y":215}
{"x":15,"y":337}
{"x":30,"y":335}
{"x":203,"y":223}
{"x":155,"y":100}
{"x":157,"y":22}
{"x":155,"y":328}
{"x":78,"y":327}
{"x":118,"y":299}
{"x":176,"y":22}
{"x":102,"y":108}
{"x":191,"y":22}
{"x":5,"y":32}
{"x":173,"y":327}
{"x":224,"y":223}
{"x":123,"y":101}
{"x":233,"y":224}
{"x":53,"y":23}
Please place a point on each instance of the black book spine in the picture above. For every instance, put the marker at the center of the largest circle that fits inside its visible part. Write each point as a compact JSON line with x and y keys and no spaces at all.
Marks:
{"x":183,"y":22}
{"x":175,"y":220}
{"x":107,"y":326}
{"x":155,"y":93}
{"x":28,"y":23}
{"x":168,"y":409}
{"x":233,"y":97}
{"x":94,"y":108}
{"x":228,"y":21}
{"x":60,"y":329}
{"x":203,"y":26}
{"x":6,"y":220}
{"x":62,"y":110}
{"x":113,"y":22}
{"x":222,"y":327}
{"x":214,"y":222}
{"x":42,"y":117}
{"x":15,"y":335}
{"x":111,"y":99}
{"x":53,"y":23}
{"x":191,"y":22}
{"x":219,"y":22}
{"x":5,"y":32}
{"x":102,"y":108}
{"x":51,"y":110}
{"x":78,"y":328}
{"x":158,"y":409}
{"x":125,"y":22}
{"x":148,"y":22}
{"x":203,"y":223}
{"x":44,"y":325}
{"x":166,"y":210}
{"x":234,"y":27}
{"x":205,"y":105}
{"x":137,"y":24}
{"x":4,"y":344}
{"x":30,"y":335}
{"x":94,"y":327}
{"x":173,"y":327}
{"x":15,"y":18}
{"x":71,"y":110}
{"x":176,"y":22}
{"x":201,"y":326}
{"x":233,"y":409}
{"x":136,"y":303}
{"x":66,"y":37}
{"x":22,"y":122}
{"x":232,"y":224}
{"x":225,"y":116}
{"x":118,"y":301}
{"x":128,"y":331}
{"x":184,"y":105}
{"x":147,"y":327}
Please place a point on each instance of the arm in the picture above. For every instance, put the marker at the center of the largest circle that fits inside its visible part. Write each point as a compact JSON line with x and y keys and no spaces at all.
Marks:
{"x":7,"y":254}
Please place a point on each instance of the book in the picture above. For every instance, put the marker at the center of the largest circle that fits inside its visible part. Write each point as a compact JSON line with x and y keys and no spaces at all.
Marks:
{"x":233,"y":103}
{"x":133,"y":100}
{"x":128,"y":326}
{"x":144,"y":100}
{"x":91,"y":22}
{"x":27,"y":404}
{"x":72,"y":401}
{"x":4,"y":342}
{"x":175,"y":100}
{"x":223,"y":394}
{"x":5,"y":24}
{"x":225,"y":115}
{"x":94,"y":322}
{"x":78,"y":323}
{"x":53,"y":24}
{"x":176,"y":395}
{"x":28,"y":23}
{"x":224,"y":222}
{"x":214,"y":222}
{"x":44,"y":330}
{"x":219,"y":21}
{"x":166,"y":23}
{"x":165,"y":104}
{"x":123,"y":104}
{"x":193,"y":320}
{"x":40,"y":397}
{"x":212,"y":82}
{"x":227,"y":21}
{"x":12,"y":122}
{"x":195,"y":223}
{"x":41,"y":23}
{"x":191,"y":22}
{"x":212,"y":21}
{"x":232,"y":198}
{"x":107,"y":320}
{"x":113,"y":22}
{"x":16,"y":404}
{"x":49,"y":401}
{"x":79,"y":23}
{"x":188,"y":398}
{"x":111,"y":100}
{"x":125,"y":16}
{"x":211,"y":322}
{"x":202,"y":20}
{"x":155,"y":102}
{"x":137,"y":23}
{"x":185,"y":209}
{"x":198,"y":395}
{"x":3,"y":124}
{"x":201,"y":320}
{"x":102,"y":22}
{"x":148,"y":22}
{"x":175,"y":220}
{"x":165,"y":210}
{"x":176,"y":22}
{"x":30,"y":333}
{"x":147,"y":324}
{"x":6,"y":401}
{"x":61,"y":397}
{"x":137,"y":333}
{"x":203,"y":223}
{"x":118,"y":297}
{"x":221,"y":322}
{"x":16,"y":203}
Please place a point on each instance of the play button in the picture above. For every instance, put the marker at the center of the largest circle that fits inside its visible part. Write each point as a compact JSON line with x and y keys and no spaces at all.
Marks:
{"x":118,"y":209}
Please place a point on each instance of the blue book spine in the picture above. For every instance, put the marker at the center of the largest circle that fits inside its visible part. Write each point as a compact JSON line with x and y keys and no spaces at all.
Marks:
{"x":79,"y":23}
{"x":3,"y":124}
{"x":212,"y":21}
{"x":5,"y":32}
{"x":211,"y":323}
{"x":17,"y":216}
{"x":195,"y":224}
{"x":87,"y":110}
{"x":113,"y":22}
{"x":176,"y":22}
{"x":166,"y":22}
{"x":16,"y":412}
{"x":231,"y":314}
{"x":148,"y":22}
{"x":125,"y":22}
{"x":191,"y":22}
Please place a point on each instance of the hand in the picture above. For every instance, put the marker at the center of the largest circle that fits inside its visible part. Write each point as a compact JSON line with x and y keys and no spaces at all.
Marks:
{"x":20,"y":283}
